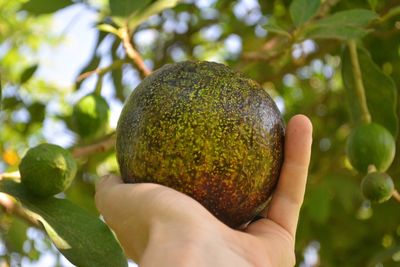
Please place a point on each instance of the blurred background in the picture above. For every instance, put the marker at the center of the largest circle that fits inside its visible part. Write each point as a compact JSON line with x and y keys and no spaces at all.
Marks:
{"x":52,"y":53}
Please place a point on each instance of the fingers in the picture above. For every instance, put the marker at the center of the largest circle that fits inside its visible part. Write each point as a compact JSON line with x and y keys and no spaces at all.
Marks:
{"x":288,"y":196}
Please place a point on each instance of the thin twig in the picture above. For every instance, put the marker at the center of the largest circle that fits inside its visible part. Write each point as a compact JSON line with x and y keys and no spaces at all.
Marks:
{"x":366,"y":117}
{"x":12,"y":175}
{"x":396,"y":195}
{"x":101,"y":71}
{"x":132,"y":53}
{"x":101,"y":146}
{"x":11,"y":206}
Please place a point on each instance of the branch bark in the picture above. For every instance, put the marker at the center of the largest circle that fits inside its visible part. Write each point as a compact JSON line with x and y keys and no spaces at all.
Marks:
{"x":11,"y":206}
{"x":132,"y":53}
{"x":101,"y":146}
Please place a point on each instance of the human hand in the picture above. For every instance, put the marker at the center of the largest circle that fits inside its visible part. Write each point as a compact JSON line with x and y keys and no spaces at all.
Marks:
{"x":158,"y":226}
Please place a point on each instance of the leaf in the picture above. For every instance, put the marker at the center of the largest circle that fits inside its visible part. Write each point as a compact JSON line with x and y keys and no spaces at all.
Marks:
{"x":37,"y":112}
{"x":303,"y":10}
{"x":153,"y":9}
{"x":40,"y":7}
{"x":319,"y":203}
{"x":275,"y":28}
{"x":380,"y":91}
{"x":349,"y":24}
{"x":16,"y":235}
{"x":116,"y":73}
{"x":28,"y":73}
{"x":124,"y":8}
{"x":81,"y":237}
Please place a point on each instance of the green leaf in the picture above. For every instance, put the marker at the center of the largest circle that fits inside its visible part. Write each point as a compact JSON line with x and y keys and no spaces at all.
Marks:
{"x":80,"y":236}
{"x":153,"y":9}
{"x":28,"y":73}
{"x":37,"y":112}
{"x":380,"y":91}
{"x":275,"y":28}
{"x":319,"y":203}
{"x":16,"y":235}
{"x":116,"y":73}
{"x":124,"y":8}
{"x":39,"y":7}
{"x":303,"y":10}
{"x":344,"y":25}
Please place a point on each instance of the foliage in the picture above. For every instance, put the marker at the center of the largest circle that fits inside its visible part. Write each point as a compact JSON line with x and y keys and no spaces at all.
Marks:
{"x":297,"y":50}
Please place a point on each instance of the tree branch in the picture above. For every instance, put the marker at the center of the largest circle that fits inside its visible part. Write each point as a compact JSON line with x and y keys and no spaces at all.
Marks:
{"x":101,"y":71}
{"x":396,"y":195}
{"x":11,"y":206}
{"x":101,"y":146}
{"x":132,"y":53}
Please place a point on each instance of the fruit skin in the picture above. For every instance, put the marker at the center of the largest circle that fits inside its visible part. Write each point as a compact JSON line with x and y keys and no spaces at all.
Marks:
{"x":47,"y":169}
{"x":377,"y":187}
{"x":91,"y":116}
{"x":206,"y":131}
{"x":370,"y":144}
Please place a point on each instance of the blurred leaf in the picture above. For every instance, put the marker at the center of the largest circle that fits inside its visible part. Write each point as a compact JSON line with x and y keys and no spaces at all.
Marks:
{"x":81,"y":237}
{"x":380,"y":90}
{"x":319,"y":203}
{"x":11,"y":103}
{"x":39,"y":7}
{"x":349,"y":24}
{"x":373,"y":4}
{"x":124,"y":8}
{"x":1,"y":95}
{"x":37,"y":112}
{"x":116,"y":73}
{"x":303,"y":10}
{"x":28,"y":73}
{"x":153,"y":9}
{"x":16,"y":235}
{"x":275,"y":28}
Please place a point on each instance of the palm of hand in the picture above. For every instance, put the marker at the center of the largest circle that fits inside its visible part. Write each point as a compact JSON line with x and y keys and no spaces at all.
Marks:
{"x":158,"y":226}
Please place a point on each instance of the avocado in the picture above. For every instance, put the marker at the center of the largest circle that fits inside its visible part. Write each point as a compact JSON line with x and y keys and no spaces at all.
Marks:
{"x":370,"y":144}
{"x":47,"y":169}
{"x":377,"y":187}
{"x":91,"y":116}
{"x":205,"y":130}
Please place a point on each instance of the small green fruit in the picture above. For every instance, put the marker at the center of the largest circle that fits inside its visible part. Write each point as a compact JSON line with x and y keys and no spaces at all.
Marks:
{"x":91,"y":116}
{"x":47,"y":169}
{"x":370,"y":144}
{"x":377,"y":187}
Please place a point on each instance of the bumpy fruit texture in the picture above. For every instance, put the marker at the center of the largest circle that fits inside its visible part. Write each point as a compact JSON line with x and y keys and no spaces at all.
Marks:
{"x":370,"y":144}
{"x":91,"y":116}
{"x":377,"y":187}
{"x":47,"y":169}
{"x":206,"y":131}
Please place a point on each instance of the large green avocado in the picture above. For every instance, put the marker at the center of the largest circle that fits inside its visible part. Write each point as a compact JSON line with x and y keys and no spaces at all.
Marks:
{"x":206,"y":131}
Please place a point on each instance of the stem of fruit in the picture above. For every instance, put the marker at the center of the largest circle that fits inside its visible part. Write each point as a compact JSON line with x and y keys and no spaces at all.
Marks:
{"x":366,"y":117}
{"x":371,"y":168}
{"x":131,"y":52}
{"x":99,"y":85}
{"x":396,"y":195}
{"x":11,"y":206}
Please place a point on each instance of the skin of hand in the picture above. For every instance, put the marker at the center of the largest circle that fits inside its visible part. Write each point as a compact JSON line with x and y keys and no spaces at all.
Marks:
{"x":158,"y":226}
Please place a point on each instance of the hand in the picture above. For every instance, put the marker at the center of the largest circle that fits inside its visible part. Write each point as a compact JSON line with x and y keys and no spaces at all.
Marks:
{"x":158,"y":226}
